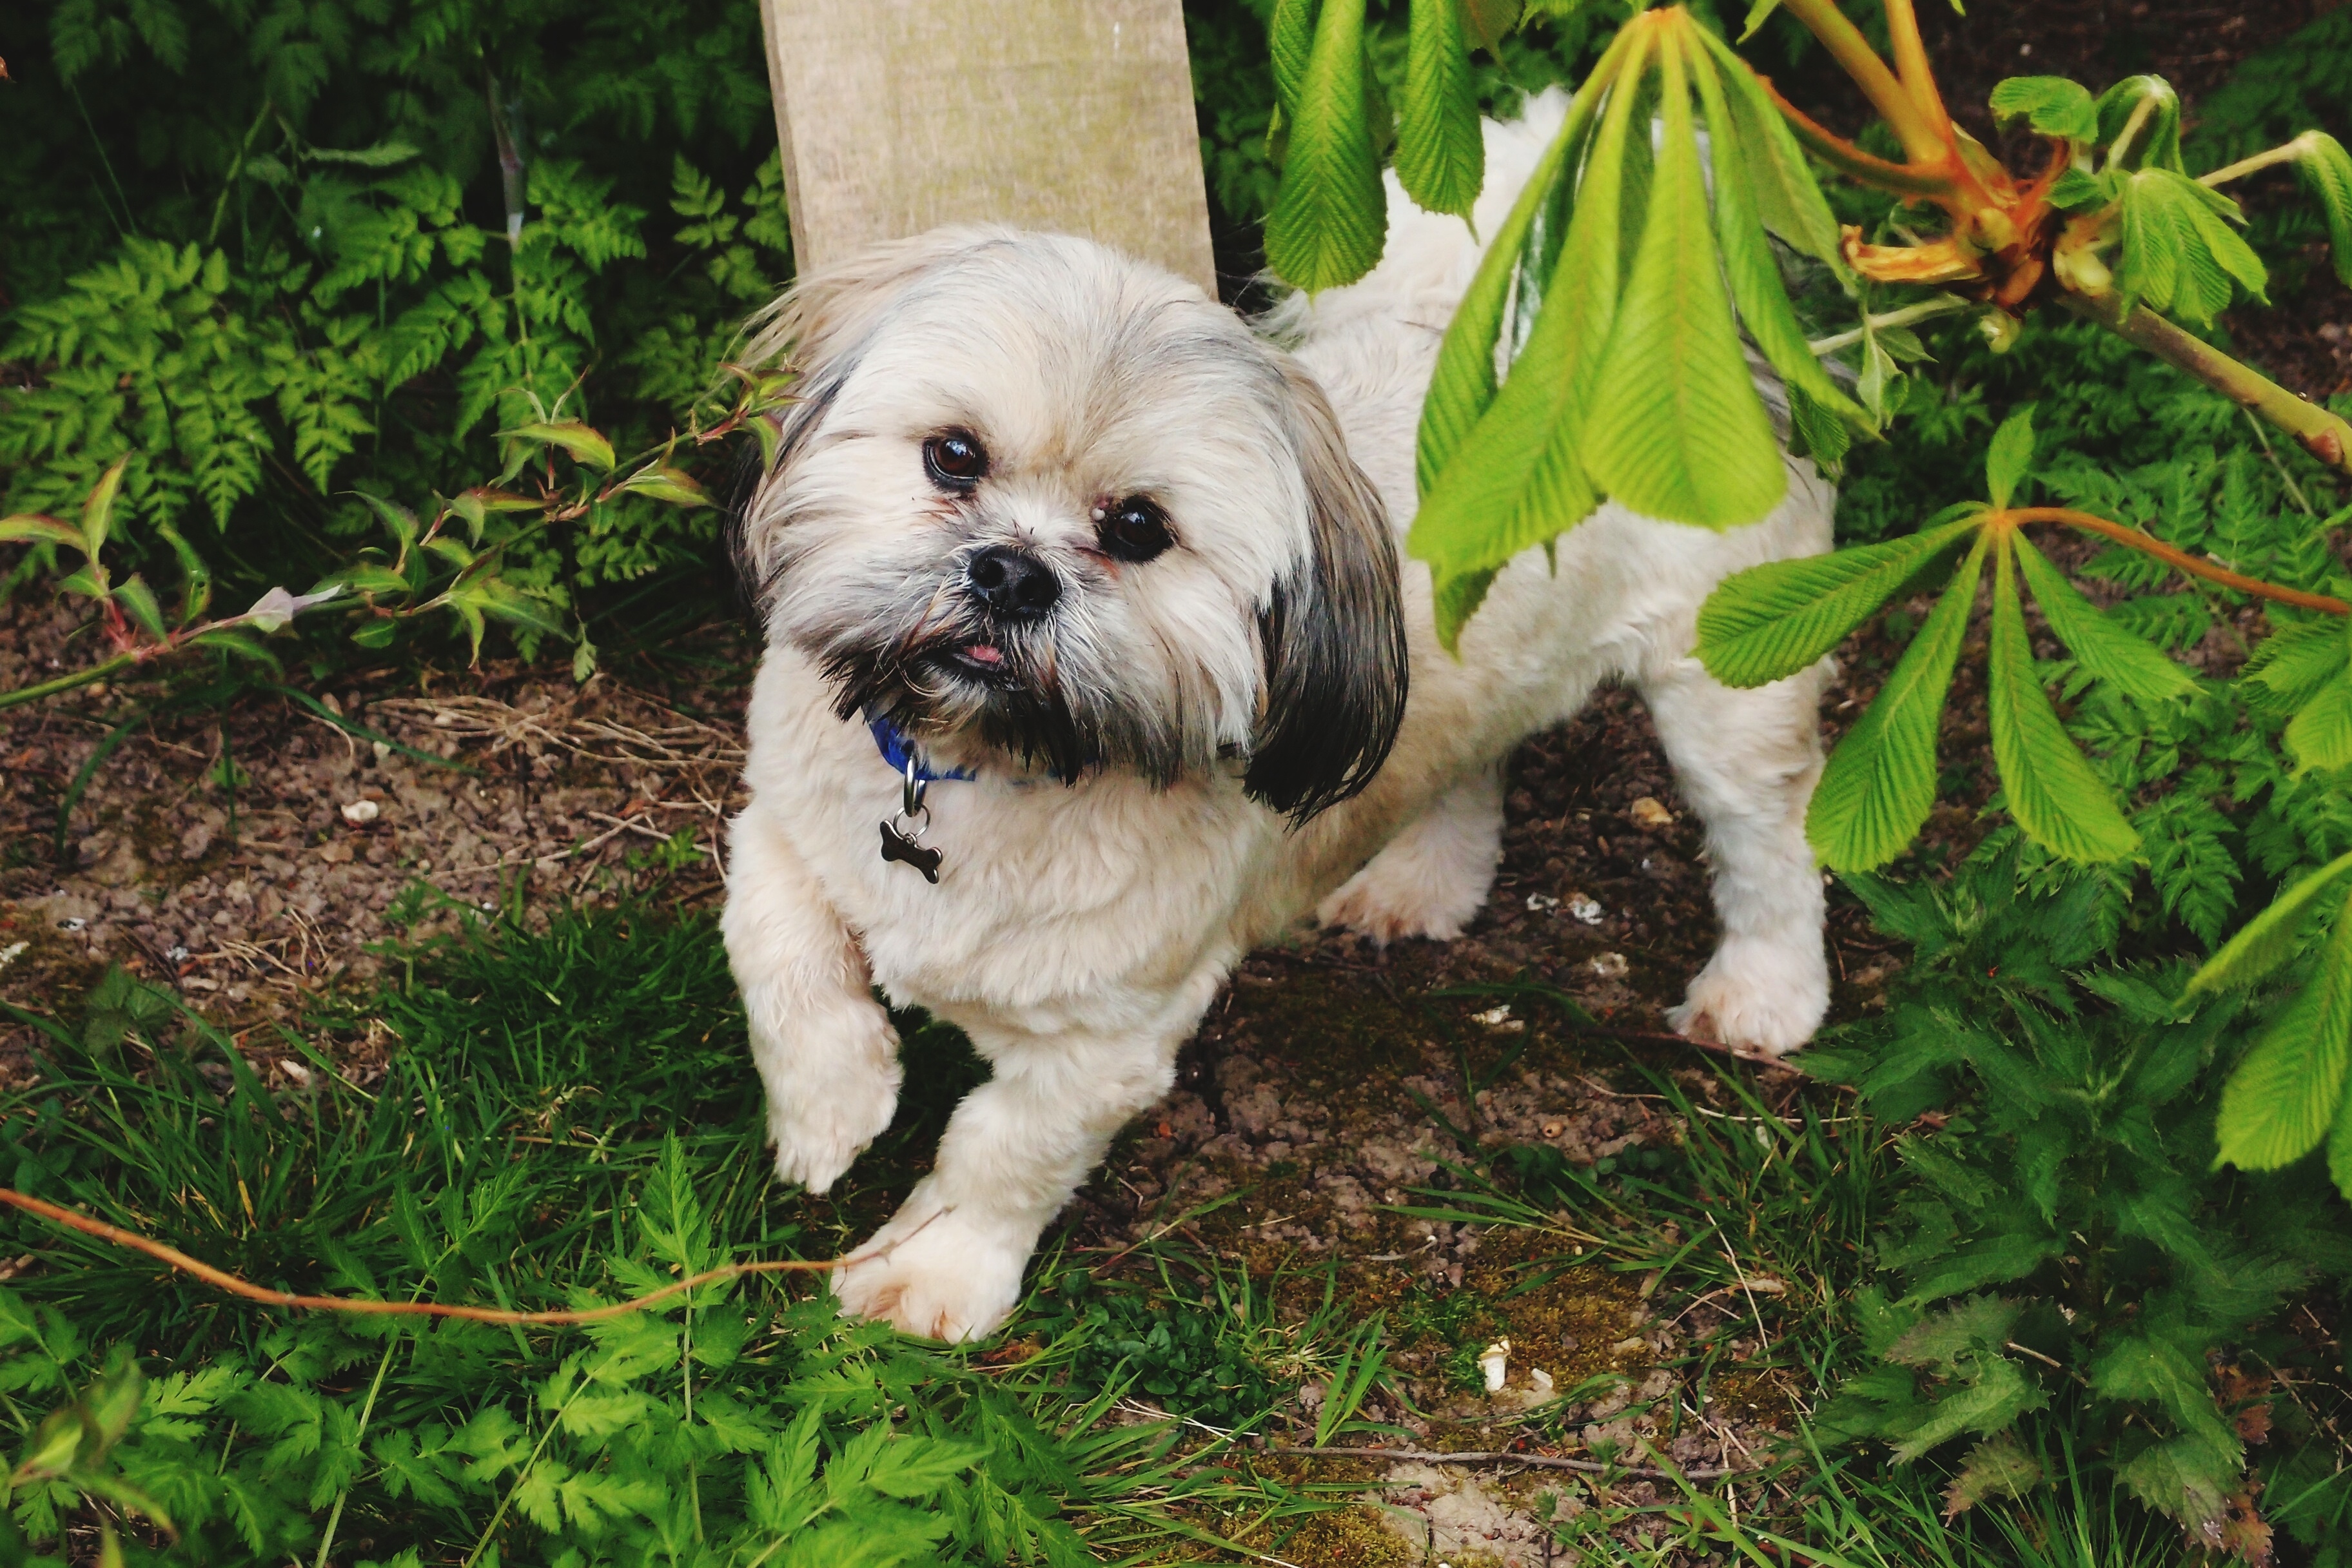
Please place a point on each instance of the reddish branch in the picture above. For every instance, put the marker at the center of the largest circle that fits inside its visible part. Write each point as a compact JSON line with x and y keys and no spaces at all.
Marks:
{"x":252,"y":1292}
{"x":2134,"y":539}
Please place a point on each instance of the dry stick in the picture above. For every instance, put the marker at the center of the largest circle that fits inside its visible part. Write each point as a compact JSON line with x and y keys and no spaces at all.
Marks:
{"x":2149,"y":546}
{"x":1537,"y":1461}
{"x":252,"y":1292}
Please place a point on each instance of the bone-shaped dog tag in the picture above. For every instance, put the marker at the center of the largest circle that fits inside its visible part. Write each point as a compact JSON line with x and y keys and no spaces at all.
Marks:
{"x":896,"y":846}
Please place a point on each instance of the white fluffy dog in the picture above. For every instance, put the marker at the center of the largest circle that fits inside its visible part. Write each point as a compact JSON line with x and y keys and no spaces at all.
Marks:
{"x":1055,"y":530}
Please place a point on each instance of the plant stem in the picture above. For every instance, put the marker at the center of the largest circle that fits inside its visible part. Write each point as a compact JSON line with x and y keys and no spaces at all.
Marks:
{"x":1926,"y":309}
{"x":1911,"y":67}
{"x":327,"y":1541}
{"x":1922,"y":142}
{"x":2325,"y":436}
{"x":1851,"y":161}
{"x":68,"y":682}
{"x":2142,"y":113}
{"x":220,"y":210}
{"x":2182,"y":560}
{"x":2290,"y":153}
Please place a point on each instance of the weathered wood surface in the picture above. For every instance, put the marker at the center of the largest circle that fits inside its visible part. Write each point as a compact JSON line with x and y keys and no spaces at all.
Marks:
{"x":896,"y":116}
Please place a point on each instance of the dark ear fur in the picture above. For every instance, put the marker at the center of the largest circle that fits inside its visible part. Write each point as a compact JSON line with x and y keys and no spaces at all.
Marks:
{"x":1336,"y":659}
{"x":818,"y":330}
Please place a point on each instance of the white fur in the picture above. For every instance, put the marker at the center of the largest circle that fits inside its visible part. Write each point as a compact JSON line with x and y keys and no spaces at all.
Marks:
{"x":1078,"y":931}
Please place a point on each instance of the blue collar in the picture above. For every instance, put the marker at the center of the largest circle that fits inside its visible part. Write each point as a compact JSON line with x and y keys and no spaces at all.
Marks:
{"x":900,"y":753}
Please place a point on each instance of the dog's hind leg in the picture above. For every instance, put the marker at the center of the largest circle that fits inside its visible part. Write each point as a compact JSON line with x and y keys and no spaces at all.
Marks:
{"x":827,"y":1053}
{"x":1747,"y":761}
{"x":1430,"y":879}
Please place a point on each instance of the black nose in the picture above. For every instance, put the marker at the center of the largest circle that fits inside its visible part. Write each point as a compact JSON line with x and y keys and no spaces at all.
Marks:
{"x":1012,"y":584}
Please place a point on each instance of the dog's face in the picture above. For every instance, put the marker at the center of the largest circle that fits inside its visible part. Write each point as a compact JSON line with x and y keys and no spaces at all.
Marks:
{"x":1042,"y":502}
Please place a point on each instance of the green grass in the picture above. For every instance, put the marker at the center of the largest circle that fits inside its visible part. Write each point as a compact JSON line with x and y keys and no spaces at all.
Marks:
{"x":566,"y":1117}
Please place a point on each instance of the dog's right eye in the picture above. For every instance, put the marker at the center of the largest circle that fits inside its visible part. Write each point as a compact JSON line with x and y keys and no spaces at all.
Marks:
{"x":955,"y":459}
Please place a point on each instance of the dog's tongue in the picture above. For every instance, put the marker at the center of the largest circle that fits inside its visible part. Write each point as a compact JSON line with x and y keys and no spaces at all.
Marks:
{"x":984,"y":653}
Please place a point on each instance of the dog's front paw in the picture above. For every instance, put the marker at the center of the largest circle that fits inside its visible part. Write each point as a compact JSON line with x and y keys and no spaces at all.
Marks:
{"x":821,"y":1121}
{"x":934,"y":1273}
{"x":1757,"y":996}
{"x":1430,"y":881}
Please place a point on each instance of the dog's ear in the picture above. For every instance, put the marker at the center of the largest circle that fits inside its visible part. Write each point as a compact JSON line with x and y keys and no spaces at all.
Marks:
{"x":817,"y":331}
{"x":1333,"y":631}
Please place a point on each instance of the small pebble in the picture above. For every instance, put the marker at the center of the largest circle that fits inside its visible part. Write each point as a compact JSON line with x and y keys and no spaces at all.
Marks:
{"x":1647,"y":813}
{"x":359,"y":813}
{"x":1584,"y":909}
{"x":1608,"y":966}
{"x":1538,"y":902}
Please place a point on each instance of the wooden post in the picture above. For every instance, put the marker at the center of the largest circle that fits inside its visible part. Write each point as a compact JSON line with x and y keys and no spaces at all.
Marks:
{"x":896,"y":116}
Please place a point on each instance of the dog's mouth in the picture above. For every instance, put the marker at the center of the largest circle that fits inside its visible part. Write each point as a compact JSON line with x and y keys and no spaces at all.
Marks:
{"x":982,"y":662}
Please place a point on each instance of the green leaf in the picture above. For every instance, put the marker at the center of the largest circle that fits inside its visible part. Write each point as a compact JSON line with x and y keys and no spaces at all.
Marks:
{"x":1998,"y":1395}
{"x":1330,"y":216}
{"x":1683,"y":433}
{"x":2282,"y":1098}
{"x":2010,"y":458}
{"x":2051,"y":791}
{"x":377,"y":633}
{"x":97,"y":511}
{"x":2180,"y":254}
{"x":2327,"y":171}
{"x":196,"y":577}
{"x":2100,"y":645}
{"x":232,"y":641}
{"x":1880,"y":783}
{"x":2158,"y":144}
{"x":136,"y":598}
{"x":1463,"y":387}
{"x":2339,"y":1150}
{"x":1492,"y":21}
{"x":2000,"y":1468}
{"x":911,"y":1467}
{"x":1517,"y":478}
{"x":1441,"y":153}
{"x":1750,"y":270}
{"x":1781,"y":184}
{"x":374,"y":577}
{"x":32,"y":528}
{"x":2051,"y":104}
{"x":2296,"y":662}
{"x":2187,"y":1477}
{"x":397,"y":518}
{"x":1988,"y":1261}
{"x":1770,"y":621}
{"x":2270,"y":938}
{"x":1455,"y":598}
{"x":587,"y":446}
{"x":1943,"y":1340}
{"x":2320,"y":735}
{"x":2145,"y":1367}
{"x":661,"y":482}
{"x":382,"y":156}
{"x":1291,"y":36}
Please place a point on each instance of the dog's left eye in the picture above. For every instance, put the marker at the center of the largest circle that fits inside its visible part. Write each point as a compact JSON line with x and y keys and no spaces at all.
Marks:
{"x":1133,"y":530}
{"x":956,"y":460}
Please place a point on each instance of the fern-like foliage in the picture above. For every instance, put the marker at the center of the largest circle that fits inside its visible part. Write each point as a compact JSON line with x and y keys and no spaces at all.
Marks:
{"x":2060,"y":1244}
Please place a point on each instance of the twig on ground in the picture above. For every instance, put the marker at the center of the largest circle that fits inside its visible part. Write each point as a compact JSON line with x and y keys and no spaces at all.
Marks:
{"x":224,"y":1280}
